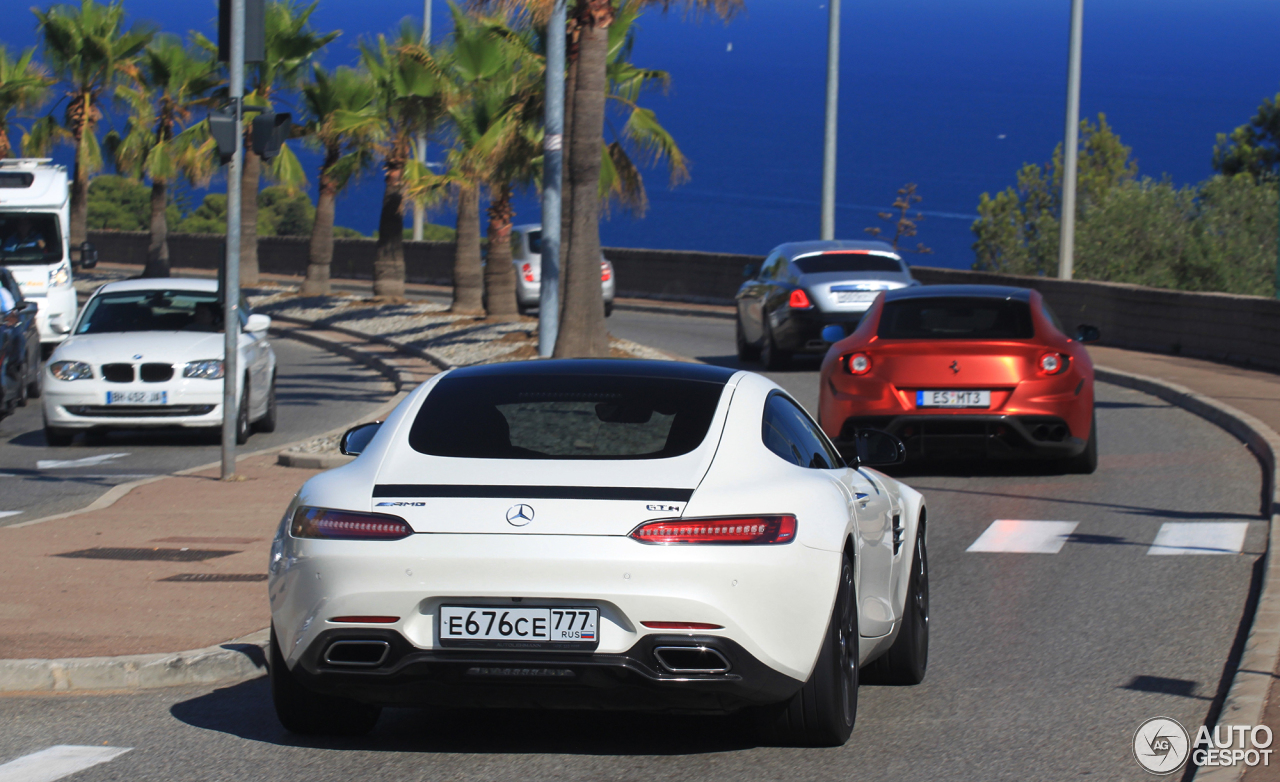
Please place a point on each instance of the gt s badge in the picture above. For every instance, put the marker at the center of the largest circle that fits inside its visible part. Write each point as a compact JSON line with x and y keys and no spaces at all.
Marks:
{"x":663,"y":508}
{"x":400,"y":504}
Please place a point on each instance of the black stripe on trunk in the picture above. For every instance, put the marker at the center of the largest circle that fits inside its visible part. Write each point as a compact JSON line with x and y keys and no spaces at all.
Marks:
{"x":639,"y":494}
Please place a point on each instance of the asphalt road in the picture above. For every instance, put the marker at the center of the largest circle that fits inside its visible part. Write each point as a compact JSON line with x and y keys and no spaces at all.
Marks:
{"x":1042,"y":665}
{"x":317,"y":391}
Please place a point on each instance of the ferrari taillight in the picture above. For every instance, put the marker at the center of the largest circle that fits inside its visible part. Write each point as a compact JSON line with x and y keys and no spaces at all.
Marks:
{"x":527,"y":271}
{"x":857,"y":363}
{"x":329,"y":524}
{"x":744,"y":530}
{"x":606,"y":273}
{"x":1052,"y":363}
{"x":799,"y":300}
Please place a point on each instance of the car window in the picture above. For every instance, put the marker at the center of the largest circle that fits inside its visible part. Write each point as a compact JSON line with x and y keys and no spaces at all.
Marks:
{"x":1051,"y":316}
{"x":772,"y":265}
{"x":535,"y":242}
{"x":955,"y":317}
{"x":848,"y":262}
{"x":791,"y":434}
{"x":30,"y":238}
{"x":153,"y":310}
{"x":564,"y":417}
{"x":517,"y":245}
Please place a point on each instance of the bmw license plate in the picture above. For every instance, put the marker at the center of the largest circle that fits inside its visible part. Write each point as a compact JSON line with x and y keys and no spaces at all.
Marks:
{"x":953,"y":399}
{"x":855,"y":297}
{"x":500,"y":627}
{"x":137,"y":397}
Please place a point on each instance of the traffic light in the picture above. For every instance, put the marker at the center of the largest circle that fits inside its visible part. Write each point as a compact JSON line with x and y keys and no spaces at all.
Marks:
{"x":269,"y":133}
{"x":222,"y":126}
{"x":255,"y":30}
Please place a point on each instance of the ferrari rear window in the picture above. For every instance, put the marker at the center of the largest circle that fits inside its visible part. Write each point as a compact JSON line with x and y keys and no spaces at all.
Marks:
{"x":847,"y":262}
{"x":956,"y":318}
{"x":564,"y":417}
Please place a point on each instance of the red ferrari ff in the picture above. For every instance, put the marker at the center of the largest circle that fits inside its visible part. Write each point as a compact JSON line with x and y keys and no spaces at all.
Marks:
{"x":958,"y":371}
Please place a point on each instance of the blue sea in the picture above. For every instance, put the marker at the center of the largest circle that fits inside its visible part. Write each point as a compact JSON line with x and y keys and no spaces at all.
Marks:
{"x":952,"y":96}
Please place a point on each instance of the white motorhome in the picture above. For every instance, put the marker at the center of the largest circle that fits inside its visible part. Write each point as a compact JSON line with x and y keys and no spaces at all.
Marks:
{"x":35,"y":212}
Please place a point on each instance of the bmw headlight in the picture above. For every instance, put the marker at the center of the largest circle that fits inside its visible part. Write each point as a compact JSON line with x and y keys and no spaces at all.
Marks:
{"x":208,"y":369}
{"x":60,"y":276}
{"x":71,"y":370}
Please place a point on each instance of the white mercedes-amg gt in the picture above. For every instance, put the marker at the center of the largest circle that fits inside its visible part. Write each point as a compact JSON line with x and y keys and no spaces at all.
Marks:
{"x":599,"y":533}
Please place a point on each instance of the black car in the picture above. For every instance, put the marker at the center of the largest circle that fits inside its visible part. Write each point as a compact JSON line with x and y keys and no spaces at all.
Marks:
{"x":803,"y":287}
{"x":20,"y":377}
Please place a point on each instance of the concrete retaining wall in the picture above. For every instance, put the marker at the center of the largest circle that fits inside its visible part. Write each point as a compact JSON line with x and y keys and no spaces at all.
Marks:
{"x":1239,"y":329}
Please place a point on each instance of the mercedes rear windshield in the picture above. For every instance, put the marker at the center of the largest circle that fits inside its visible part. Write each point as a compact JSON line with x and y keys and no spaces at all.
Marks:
{"x":498,"y":416}
{"x":847,"y":262}
{"x":955,"y":318}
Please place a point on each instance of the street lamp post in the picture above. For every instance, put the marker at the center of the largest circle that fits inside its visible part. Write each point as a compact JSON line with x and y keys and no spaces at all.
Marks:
{"x":828,"y":231}
{"x":420,"y":211}
{"x":231,"y":276}
{"x":552,"y":169}
{"x":1067,"y":238}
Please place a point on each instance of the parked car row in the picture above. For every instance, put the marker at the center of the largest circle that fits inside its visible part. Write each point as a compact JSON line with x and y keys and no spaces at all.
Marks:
{"x":20,"y":377}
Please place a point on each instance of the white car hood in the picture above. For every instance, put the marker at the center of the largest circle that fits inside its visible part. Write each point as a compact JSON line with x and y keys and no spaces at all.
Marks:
{"x":166,"y":347}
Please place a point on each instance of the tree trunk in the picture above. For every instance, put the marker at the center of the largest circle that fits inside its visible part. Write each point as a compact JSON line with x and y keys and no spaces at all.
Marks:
{"x":499,"y":274}
{"x":566,"y":158}
{"x":79,"y":116}
{"x":158,"y":247}
{"x":317,"y":281}
{"x":6,"y":149}
{"x":582,"y":331}
{"x":249,"y":218}
{"x":468,"y":274}
{"x":388,"y":262}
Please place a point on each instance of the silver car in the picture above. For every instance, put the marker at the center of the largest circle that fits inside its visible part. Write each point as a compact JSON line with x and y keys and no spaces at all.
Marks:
{"x":803,"y":287}
{"x":526,"y":256}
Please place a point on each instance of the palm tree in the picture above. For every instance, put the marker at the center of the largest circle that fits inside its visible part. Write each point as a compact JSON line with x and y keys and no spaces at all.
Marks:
{"x":172,"y":81}
{"x":344,"y":123}
{"x":412,"y":92}
{"x":24,"y":85}
{"x":291,"y":45}
{"x":90,"y":49}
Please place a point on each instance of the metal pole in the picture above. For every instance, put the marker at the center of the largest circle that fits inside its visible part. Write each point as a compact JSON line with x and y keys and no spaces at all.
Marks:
{"x":1067,"y":243}
{"x":231,"y":278}
{"x":1278,"y":257}
{"x":829,"y":134}
{"x":552,"y":161}
{"x":420,"y":211}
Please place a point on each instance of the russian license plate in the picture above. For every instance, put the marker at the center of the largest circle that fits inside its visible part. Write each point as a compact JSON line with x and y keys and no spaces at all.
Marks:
{"x":137,"y":397}
{"x":854,"y":297}
{"x":499,"y":627}
{"x":953,"y":399}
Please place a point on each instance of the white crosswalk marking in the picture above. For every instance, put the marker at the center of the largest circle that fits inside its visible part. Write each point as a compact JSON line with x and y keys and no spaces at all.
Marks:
{"x":57,"y":762}
{"x":1024,"y":537}
{"x":1199,"y":537}
{"x":71,"y":464}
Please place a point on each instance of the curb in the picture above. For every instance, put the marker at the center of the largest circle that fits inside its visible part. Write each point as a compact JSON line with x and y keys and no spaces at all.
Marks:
{"x":313,"y":461}
{"x":1246,"y":700}
{"x":226,"y":663}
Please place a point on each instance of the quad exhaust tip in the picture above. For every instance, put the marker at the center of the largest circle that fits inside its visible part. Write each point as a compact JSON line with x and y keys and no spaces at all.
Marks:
{"x":361,"y":654}
{"x":691,"y":659}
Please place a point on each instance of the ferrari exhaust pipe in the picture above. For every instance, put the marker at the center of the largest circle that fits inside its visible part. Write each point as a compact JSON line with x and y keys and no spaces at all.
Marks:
{"x":691,"y":659}
{"x":361,"y":654}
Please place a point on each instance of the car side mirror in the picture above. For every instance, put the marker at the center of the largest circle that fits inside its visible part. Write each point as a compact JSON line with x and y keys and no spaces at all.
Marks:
{"x":874,"y":448}
{"x":88,"y":256}
{"x":832,"y":333}
{"x":749,"y":271}
{"x":357,"y":438}
{"x":256,"y":324}
{"x":1087,"y":333}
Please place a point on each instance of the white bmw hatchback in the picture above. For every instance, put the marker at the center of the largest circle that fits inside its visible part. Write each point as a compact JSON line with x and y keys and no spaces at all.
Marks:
{"x":149,"y":353}
{"x":599,"y":533}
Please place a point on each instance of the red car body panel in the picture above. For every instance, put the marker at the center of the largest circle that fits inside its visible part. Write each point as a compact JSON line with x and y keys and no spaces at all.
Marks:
{"x":1023,"y":398}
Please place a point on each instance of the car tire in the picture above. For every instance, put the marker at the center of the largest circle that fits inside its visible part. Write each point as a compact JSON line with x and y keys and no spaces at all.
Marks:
{"x":55,"y":437}
{"x":771,"y":357}
{"x":608,"y":308}
{"x":1087,"y":462}
{"x":823,"y":712}
{"x":36,"y":387}
{"x":746,"y":351}
{"x":308,"y":713}
{"x":267,"y":423}
{"x":906,"y":661}
{"x":521,"y":308}
{"x":243,"y":429}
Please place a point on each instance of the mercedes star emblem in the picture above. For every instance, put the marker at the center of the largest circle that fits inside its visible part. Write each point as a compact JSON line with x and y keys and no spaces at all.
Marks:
{"x":519,"y":515}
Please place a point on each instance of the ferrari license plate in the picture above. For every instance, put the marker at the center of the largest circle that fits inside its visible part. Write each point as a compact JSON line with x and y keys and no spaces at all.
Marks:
{"x":498,"y":626}
{"x":137,"y":397}
{"x":953,"y":399}
{"x":854,"y":297}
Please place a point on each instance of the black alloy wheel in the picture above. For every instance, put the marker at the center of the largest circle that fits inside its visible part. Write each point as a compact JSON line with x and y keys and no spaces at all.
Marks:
{"x":243,"y":429}
{"x":906,"y":661}
{"x":267,"y":423}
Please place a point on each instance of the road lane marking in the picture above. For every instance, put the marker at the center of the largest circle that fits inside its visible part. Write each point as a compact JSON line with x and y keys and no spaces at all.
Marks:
{"x":57,"y":762}
{"x":71,"y":464}
{"x":4,"y":514}
{"x":1199,"y":537}
{"x":1024,"y":537}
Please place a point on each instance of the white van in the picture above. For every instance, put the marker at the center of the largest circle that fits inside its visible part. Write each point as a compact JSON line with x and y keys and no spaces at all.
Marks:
{"x":35,"y":212}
